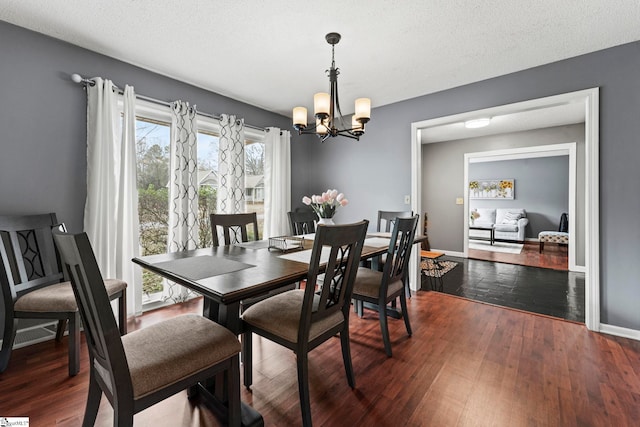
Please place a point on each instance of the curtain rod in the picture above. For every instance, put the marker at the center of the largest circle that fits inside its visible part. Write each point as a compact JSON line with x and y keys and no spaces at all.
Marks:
{"x":77,"y":78}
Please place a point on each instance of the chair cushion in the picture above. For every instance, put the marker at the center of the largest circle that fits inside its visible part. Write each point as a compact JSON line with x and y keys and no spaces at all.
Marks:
{"x":506,"y":227}
{"x":59,"y":297}
{"x":368,"y":283}
{"x":487,"y":216}
{"x":164,"y":353}
{"x":280,"y":315}
{"x":511,"y":218}
{"x":553,"y":237}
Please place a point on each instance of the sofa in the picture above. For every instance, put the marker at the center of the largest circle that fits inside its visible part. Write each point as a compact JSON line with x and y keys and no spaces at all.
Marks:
{"x":507,"y":223}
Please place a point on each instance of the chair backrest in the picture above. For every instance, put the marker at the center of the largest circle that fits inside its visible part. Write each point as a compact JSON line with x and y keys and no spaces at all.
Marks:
{"x":234,"y":227}
{"x":564,"y":223}
{"x":387,"y":218}
{"x":101,"y":329}
{"x":302,"y":221}
{"x":399,"y":251}
{"x":340,"y":246}
{"x":28,"y":254}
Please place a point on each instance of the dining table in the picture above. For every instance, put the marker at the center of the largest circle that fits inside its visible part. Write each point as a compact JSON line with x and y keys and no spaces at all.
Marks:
{"x":226,"y":275}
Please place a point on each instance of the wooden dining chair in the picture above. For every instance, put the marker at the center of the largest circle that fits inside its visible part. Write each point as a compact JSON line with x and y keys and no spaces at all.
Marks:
{"x":386,"y":219}
{"x":381,"y":288}
{"x":34,"y":287}
{"x":302,"y":319}
{"x":236,"y":228}
{"x":302,"y":221}
{"x":148,"y":365}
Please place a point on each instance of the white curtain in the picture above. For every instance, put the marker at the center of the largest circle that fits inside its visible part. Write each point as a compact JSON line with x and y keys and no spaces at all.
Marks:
{"x":231,"y":166}
{"x":183,"y":188}
{"x":277,"y":179}
{"x":111,"y":208}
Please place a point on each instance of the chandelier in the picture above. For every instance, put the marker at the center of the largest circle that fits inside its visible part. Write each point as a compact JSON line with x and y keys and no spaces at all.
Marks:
{"x":329,"y":120}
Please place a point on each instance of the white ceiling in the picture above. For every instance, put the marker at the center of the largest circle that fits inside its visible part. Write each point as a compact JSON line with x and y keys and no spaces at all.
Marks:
{"x":273,"y":54}
{"x":515,"y":121}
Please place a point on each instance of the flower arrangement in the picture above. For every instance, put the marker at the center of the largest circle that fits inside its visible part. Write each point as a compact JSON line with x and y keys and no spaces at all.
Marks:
{"x":325,"y":205}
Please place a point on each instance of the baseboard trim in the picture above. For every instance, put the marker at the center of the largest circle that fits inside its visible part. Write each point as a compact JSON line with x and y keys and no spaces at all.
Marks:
{"x":619,"y":331}
{"x":450,"y":253}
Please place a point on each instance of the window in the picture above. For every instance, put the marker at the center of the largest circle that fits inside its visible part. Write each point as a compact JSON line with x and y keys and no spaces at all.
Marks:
{"x":153,"y":130}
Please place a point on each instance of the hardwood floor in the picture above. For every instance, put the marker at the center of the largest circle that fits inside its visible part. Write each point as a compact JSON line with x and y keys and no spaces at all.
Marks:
{"x":467,"y":364}
{"x":555,"y":257}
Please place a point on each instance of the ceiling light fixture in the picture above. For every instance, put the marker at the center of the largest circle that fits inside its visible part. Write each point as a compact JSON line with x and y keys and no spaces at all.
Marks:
{"x":477,"y":123}
{"x":329,"y":120}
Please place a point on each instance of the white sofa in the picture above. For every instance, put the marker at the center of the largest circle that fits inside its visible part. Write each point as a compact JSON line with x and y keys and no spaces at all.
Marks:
{"x":508,"y":223}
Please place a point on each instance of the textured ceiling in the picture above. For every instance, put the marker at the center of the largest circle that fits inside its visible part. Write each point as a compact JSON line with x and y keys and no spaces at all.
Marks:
{"x":272,"y":54}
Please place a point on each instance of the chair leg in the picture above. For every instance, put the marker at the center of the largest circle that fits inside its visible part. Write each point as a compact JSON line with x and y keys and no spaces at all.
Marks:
{"x":122,"y":313}
{"x":346,"y":356}
{"x":384,"y":328}
{"x":405,"y":313}
{"x":74,"y":344}
{"x":234,"y":415}
{"x":10,"y":326}
{"x":247,"y":358}
{"x":93,"y":401}
{"x":122,"y":418}
{"x":62,"y":326}
{"x":303,"y":387}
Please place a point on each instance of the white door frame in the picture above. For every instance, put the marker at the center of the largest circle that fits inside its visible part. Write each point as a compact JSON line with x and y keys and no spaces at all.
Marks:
{"x":590,"y":99}
{"x":566,"y":149}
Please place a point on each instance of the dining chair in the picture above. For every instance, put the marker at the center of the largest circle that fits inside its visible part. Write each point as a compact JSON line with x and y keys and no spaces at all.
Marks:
{"x":381,"y":288}
{"x":235,"y":227}
{"x":302,"y":221}
{"x":151,"y":364}
{"x":386,"y":219}
{"x":302,"y":319}
{"x":34,"y":286}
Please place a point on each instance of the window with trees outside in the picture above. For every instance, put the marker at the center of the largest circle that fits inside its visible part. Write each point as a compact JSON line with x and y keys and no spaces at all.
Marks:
{"x":152,"y":150}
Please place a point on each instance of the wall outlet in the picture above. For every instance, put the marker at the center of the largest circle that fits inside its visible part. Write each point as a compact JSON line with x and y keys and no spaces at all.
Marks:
{"x":459,"y":201}
{"x":407,"y":200}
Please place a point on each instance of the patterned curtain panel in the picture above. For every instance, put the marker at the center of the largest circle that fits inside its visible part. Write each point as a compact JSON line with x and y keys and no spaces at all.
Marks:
{"x":183,"y":188}
{"x":111,"y":208}
{"x":231,"y":166}
{"x":277,"y":182}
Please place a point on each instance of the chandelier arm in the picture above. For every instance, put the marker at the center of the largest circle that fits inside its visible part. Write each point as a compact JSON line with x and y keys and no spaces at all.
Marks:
{"x":333,"y":123}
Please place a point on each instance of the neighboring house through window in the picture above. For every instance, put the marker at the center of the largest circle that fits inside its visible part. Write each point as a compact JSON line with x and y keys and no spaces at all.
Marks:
{"x":153,"y":129}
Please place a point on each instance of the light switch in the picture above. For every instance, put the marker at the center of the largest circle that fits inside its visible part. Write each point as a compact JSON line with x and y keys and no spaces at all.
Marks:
{"x":459,"y":201}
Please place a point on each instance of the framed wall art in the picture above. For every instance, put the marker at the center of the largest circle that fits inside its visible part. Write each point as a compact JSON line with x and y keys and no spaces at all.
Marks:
{"x":492,"y":189}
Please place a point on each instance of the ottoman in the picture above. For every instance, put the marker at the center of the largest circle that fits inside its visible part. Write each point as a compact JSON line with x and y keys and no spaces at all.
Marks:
{"x":552,"y":237}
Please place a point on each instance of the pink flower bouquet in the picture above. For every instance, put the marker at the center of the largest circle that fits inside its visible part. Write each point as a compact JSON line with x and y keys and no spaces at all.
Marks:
{"x":325,"y":205}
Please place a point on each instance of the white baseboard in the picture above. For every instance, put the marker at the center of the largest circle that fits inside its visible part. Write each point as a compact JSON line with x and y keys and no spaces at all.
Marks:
{"x":619,"y":331}
{"x":450,"y":253}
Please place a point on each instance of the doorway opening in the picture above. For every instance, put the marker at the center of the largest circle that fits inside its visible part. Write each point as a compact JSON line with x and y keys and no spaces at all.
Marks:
{"x":588,"y":100}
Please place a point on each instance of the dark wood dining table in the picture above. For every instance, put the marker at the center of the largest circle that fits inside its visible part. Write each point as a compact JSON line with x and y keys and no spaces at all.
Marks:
{"x":225,"y":275}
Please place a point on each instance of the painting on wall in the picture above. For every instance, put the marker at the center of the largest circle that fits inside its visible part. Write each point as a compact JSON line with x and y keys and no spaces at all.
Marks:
{"x":492,"y":189}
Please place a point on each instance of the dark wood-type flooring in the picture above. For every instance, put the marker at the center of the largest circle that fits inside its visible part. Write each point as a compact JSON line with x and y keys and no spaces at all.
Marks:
{"x":467,"y":364}
{"x":529,"y":281}
{"x":554,"y":256}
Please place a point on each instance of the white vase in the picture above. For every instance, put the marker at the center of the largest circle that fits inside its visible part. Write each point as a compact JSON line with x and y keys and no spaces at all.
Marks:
{"x":326,"y":221}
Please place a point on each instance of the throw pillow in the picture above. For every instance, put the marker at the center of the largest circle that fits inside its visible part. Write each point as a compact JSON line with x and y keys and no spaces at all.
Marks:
{"x":511,"y":218}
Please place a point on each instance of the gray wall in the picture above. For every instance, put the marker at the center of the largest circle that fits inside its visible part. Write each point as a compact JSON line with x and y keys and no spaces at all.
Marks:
{"x":43,"y":119}
{"x":376,"y":171}
{"x":541,"y":188}
{"x":443,"y":181}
